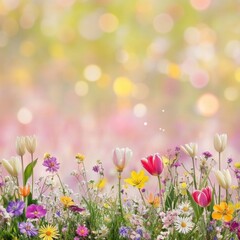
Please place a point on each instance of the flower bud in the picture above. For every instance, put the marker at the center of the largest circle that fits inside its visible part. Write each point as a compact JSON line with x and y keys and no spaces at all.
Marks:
{"x":190,"y":149}
{"x":220,"y":142}
{"x":13,"y":166}
{"x":31,"y":143}
{"x":20,"y":146}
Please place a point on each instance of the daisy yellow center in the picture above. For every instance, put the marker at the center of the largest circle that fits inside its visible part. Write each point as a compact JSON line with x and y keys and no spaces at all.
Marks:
{"x":48,"y":233}
{"x":183,"y":224}
{"x":185,"y":209}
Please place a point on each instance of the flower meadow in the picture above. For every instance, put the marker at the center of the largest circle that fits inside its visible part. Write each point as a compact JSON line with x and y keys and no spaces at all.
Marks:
{"x":192,"y":200}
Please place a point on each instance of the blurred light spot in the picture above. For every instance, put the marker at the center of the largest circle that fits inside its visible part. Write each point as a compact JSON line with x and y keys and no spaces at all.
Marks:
{"x":11,"y":4}
{"x":28,"y":17}
{"x":24,"y":115}
{"x":108,"y":22}
{"x":57,"y":51}
{"x":207,"y":105}
{"x":140,"y":91}
{"x":145,"y":123}
{"x":49,"y":25}
{"x":174,"y":71}
{"x":192,"y":35}
{"x":163,"y":23}
{"x":237,"y":74}
{"x":163,"y":110}
{"x":233,"y":49}
{"x":92,"y":73}
{"x":21,"y":76}
{"x":3,"y":39}
{"x":81,"y":88}
{"x":27,"y":48}
{"x":89,"y":27}
{"x":10,"y":26}
{"x":122,"y":56}
{"x":158,"y":46}
{"x":231,"y":93}
{"x":199,"y":79}
{"x":139,"y":110}
{"x":163,"y":66}
{"x":123,"y":87}
{"x":201,"y":4}
{"x":104,"y":81}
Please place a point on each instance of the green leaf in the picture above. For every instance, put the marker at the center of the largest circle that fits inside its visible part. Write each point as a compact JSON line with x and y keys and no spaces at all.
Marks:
{"x":170,"y":198}
{"x":29,"y":170}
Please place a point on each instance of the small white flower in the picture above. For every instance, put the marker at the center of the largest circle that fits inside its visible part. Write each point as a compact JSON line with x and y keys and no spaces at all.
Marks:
{"x":183,"y":224}
{"x":185,"y":209}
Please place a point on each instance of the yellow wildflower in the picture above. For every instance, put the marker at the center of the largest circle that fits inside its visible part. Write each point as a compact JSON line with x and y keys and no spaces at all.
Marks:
{"x":67,"y":201}
{"x":137,"y":179}
{"x":48,"y":232}
{"x":183,"y":188}
{"x":166,"y":161}
{"x":101,"y":183}
{"x":223,"y":211}
{"x":237,"y":165}
{"x":46,"y":156}
{"x":80,"y":157}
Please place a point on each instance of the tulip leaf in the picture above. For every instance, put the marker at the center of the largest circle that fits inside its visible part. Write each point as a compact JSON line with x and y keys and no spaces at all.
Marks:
{"x":29,"y":170}
{"x":169,"y":199}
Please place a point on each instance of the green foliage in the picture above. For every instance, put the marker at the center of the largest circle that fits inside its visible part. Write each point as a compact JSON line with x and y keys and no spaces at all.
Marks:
{"x":29,"y":171}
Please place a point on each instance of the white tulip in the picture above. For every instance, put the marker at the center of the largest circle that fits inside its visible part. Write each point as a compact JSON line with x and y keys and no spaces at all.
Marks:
{"x":224,"y":178}
{"x":220,"y":142}
{"x":13,"y":166}
{"x":20,"y":146}
{"x":31,"y":143}
{"x":120,"y":157}
{"x":190,"y":149}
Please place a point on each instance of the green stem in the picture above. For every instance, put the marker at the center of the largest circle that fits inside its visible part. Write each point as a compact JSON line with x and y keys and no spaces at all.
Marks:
{"x":160,"y":191}
{"x":219,"y":187}
{"x":142,"y":197}
{"x":64,"y":192}
{"x":119,"y":194}
{"x":22,"y":171}
{"x":32,"y":174}
{"x":194,"y":174}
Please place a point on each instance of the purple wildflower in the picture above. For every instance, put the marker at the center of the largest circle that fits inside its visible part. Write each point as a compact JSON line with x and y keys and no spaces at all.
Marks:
{"x":76,"y":238}
{"x":15,"y":208}
{"x":207,"y":154}
{"x":123,"y":231}
{"x":35,"y":211}
{"x":28,"y":229}
{"x":75,"y":208}
{"x":96,"y":168}
{"x":177,"y":149}
{"x":233,"y":226}
{"x":229,"y":160}
{"x":51,"y":164}
{"x":177,"y":164}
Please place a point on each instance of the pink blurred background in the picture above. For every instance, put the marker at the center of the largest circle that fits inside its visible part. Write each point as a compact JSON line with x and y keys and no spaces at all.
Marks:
{"x":90,"y":75}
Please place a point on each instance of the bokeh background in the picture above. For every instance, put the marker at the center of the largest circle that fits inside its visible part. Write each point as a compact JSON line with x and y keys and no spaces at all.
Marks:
{"x":90,"y":75}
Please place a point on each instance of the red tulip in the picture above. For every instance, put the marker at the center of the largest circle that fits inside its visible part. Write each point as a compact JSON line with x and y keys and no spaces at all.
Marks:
{"x":153,"y":164}
{"x":203,"y":198}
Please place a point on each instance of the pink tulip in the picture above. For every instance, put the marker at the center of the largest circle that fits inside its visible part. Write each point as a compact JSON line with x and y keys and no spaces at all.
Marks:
{"x":153,"y":164}
{"x":203,"y":198}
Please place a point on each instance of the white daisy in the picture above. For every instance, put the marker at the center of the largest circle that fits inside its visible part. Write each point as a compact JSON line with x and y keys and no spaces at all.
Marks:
{"x":186,"y":209}
{"x":183,"y":224}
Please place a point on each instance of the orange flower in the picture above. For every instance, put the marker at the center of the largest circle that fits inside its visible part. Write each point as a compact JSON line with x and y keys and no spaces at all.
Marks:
{"x":223,"y":211}
{"x":24,"y":191}
{"x":153,"y":200}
